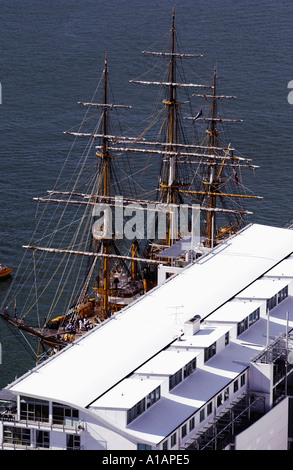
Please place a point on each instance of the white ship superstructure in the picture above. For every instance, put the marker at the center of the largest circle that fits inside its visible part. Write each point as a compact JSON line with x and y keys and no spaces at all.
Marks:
{"x":202,"y":361}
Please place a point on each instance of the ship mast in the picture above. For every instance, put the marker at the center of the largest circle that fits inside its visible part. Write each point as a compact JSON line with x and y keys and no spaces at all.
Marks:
{"x":106,"y":245}
{"x":171,"y":132}
{"x":215,"y":178}
{"x":210,"y":226}
{"x":103,"y":245}
{"x":106,"y":174}
{"x":171,"y":148}
{"x":171,"y":194}
{"x":211,"y":159}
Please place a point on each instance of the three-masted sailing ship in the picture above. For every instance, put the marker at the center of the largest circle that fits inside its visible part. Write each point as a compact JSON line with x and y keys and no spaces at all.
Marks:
{"x":92,"y":272}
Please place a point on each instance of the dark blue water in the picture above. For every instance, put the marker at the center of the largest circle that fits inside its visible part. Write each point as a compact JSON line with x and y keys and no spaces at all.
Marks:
{"x":52,"y":54}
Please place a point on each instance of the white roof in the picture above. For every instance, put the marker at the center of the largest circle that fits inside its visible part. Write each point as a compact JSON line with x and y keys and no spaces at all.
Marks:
{"x":208,"y":380}
{"x":263,"y":288}
{"x":85,"y":370}
{"x":167,"y":362}
{"x":127,"y":393}
{"x":234,"y":311}
{"x":205,"y":337}
{"x":284,"y":269}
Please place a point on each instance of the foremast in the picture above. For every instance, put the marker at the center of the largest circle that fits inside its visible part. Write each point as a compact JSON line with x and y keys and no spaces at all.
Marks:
{"x":103,"y":246}
{"x":53,"y":332}
{"x":106,"y":159}
{"x":101,"y":193}
{"x":169,"y":184}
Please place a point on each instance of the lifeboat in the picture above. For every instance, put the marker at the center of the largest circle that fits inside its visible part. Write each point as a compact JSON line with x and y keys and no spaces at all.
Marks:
{"x":4,"y":271}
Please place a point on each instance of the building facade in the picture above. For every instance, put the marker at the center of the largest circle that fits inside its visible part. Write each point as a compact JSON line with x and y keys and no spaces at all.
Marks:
{"x":203,"y":361}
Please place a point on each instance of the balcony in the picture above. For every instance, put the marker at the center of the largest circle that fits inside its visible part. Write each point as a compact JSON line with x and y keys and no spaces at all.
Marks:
{"x":8,"y":415}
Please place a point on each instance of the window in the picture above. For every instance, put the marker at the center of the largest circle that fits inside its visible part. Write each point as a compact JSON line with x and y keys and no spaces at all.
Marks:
{"x":235,"y":385}
{"x":72,"y":442}
{"x":165,"y":445}
{"x":144,"y":447}
{"x":135,"y":411}
{"x":227,"y":338}
{"x":153,"y":397}
{"x":184,"y":430}
{"x":220,"y":399}
{"x":226,"y":394}
{"x":248,"y":321}
{"x":282,"y":294}
{"x":189,"y":368}
{"x":242,"y":326}
{"x":253,"y":317}
{"x":42,"y":439}
{"x":201,"y":415}
{"x":175,"y":379}
{"x":209,"y":352}
{"x":64,"y":415}
{"x":209,"y":408}
{"x":141,"y":406}
{"x":272,"y":302}
{"x":191,"y":424}
{"x":34,"y":410}
{"x":17,"y":436}
{"x":173,"y":439}
{"x":242,"y":380}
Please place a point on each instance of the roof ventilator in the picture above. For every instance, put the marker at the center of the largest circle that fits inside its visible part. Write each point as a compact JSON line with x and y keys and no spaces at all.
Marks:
{"x":192,"y":326}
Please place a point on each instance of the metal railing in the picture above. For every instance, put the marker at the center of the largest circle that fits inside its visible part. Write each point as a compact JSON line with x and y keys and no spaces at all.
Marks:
{"x":221,"y":431}
{"x":53,"y":423}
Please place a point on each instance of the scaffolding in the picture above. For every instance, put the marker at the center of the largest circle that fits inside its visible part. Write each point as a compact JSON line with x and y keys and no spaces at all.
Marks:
{"x":278,"y":350}
{"x":221,"y":431}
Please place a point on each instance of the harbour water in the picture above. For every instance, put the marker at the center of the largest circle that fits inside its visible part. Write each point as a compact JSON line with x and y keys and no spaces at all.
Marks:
{"x":52,"y":54}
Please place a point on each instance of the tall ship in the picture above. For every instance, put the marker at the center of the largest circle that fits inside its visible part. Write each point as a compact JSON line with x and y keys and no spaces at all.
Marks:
{"x":167,"y":317}
{"x":101,"y":237}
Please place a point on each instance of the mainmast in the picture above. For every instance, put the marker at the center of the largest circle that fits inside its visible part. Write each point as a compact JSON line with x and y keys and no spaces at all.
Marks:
{"x":210,"y":225}
{"x":171,"y":132}
{"x":172,"y":144}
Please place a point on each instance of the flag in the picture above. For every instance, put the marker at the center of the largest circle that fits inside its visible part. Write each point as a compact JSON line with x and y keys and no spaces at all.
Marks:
{"x":235,"y":177}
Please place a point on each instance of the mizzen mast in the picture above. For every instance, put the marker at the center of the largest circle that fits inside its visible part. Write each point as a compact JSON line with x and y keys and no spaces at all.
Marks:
{"x":218,"y":173}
